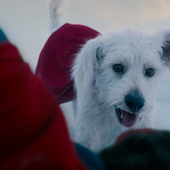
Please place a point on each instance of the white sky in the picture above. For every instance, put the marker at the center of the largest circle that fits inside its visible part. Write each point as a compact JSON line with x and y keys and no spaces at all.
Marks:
{"x":115,"y":14}
{"x":26,"y":21}
{"x":26,"y":24}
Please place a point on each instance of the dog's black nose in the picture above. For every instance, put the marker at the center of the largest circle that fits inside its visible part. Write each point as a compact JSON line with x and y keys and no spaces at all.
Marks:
{"x":134,"y":102}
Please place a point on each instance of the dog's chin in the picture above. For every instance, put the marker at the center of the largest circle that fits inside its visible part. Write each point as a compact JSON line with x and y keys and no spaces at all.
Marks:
{"x":125,"y":118}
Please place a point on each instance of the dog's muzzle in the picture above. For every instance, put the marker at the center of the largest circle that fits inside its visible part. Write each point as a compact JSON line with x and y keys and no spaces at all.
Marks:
{"x":135,"y":104}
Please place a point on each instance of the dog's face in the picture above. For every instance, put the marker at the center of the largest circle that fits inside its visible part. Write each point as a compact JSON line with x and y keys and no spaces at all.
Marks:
{"x":123,"y":70}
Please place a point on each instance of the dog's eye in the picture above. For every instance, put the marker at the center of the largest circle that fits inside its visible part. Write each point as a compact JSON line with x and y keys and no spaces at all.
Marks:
{"x":118,"y":68}
{"x":150,"y":72}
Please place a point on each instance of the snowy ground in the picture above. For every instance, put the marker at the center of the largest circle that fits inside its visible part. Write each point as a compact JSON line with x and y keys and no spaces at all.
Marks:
{"x":26,"y":25}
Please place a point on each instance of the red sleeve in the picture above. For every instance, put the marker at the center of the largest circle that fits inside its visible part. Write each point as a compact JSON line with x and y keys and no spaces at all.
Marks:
{"x":33,"y":132}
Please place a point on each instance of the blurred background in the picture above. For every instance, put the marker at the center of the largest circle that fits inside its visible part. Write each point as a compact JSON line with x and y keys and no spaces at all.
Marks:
{"x":26,"y":25}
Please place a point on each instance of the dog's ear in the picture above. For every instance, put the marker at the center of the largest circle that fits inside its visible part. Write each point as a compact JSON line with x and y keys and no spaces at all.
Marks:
{"x":166,"y":49}
{"x":84,"y":67}
{"x":99,"y":54}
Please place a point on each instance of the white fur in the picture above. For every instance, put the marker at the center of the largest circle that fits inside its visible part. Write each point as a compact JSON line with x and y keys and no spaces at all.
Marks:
{"x":96,"y":122}
{"x":99,"y":88}
{"x":55,"y":13}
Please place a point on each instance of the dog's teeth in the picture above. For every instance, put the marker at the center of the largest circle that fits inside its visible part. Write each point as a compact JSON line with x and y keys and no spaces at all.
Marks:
{"x":121,"y":116}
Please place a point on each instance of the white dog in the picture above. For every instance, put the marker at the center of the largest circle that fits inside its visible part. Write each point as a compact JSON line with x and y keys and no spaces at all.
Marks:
{"x":116,"y":78}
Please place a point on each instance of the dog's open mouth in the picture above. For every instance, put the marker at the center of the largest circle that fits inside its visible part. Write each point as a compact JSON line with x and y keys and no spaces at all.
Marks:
{"x":126,"y":118}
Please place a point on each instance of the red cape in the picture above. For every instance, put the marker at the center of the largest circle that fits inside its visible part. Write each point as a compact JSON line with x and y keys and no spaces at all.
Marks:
{"x":56,"y":59}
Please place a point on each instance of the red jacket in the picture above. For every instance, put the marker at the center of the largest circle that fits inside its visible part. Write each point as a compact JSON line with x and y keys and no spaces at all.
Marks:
{"x":33,"y":132}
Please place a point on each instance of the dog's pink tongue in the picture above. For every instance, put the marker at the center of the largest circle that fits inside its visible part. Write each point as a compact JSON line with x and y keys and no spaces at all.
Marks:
{"x":128,"y":119}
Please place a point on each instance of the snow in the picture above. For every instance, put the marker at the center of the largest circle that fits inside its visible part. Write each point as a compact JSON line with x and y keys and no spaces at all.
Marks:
{"x":162,"y":115}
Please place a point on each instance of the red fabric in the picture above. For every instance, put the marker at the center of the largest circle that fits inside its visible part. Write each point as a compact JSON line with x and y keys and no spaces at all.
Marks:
{"x":56,"y":59}
{"x":126,"y":134}
{"x":33,"y":133}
